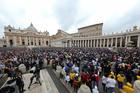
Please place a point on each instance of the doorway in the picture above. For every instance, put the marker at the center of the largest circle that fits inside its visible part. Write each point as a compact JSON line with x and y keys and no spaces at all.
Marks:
{"x":11,"y":42}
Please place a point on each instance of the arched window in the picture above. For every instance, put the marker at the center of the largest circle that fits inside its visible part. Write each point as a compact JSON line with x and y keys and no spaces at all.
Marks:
{"x":9,"y":30}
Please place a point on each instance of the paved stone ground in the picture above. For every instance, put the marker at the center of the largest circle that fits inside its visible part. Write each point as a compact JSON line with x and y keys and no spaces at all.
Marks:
{"x":47,"y":86}
{"x":61,"y":88}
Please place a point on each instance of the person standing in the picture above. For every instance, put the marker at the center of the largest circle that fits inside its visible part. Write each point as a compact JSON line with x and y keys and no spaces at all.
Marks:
{"x":110,"y":84}
{"x":36,"y":74}
{"x":120,"y":79}
{"x":104,"y":79}
{"x":128,"y":88}
{"x":19,"y":80}
{"x":137,"y":85}
{"x":84,"y":88}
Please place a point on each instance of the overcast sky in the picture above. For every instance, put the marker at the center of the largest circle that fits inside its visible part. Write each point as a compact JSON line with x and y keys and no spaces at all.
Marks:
{"x":68,"y":15}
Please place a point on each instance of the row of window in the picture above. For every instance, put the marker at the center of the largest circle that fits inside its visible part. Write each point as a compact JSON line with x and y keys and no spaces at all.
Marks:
{"x":29,"y":43}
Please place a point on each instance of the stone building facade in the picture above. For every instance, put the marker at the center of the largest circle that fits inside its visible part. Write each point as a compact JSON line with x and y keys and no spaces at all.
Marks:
{"x":25,"y":37}
{"x":88,"y":36}
{"x":91,"y":36}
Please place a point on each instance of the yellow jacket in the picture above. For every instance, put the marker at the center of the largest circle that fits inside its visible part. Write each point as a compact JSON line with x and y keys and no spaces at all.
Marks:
{"x":72,"y":76}
{"x":120,"y":78}
{"x":128,"y":89}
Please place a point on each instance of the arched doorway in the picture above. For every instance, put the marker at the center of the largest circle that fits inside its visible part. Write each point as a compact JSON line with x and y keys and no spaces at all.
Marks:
{"x":47,"y":43}
{"x":11,"y":42}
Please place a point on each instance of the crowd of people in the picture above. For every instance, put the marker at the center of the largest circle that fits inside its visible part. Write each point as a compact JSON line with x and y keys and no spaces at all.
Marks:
{"x":86,"y":70}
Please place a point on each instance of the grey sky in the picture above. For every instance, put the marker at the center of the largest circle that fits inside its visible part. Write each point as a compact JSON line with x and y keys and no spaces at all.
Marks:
{"x":69,"y":15}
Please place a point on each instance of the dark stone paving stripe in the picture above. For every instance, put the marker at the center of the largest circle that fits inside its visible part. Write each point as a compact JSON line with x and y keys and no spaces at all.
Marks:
{"x":61,"y":88}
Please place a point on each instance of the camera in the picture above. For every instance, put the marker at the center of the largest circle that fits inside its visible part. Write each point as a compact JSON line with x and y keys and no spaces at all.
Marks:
{"x":32,"y":70}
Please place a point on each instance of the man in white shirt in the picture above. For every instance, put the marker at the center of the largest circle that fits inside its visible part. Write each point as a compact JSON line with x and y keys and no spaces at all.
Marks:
{"x":67,"y":78}
{"x":104,"y":79}
{"x":110,"y":84}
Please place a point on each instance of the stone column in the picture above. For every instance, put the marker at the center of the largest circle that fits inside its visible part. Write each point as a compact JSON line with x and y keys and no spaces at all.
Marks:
{"x":116,"y":42}
{"x":36,"y":41}
{"x":26,"y":41}
{"x":70,"y":43}
{"x":129,"y":38}
{"x":107,"y":42}
{"x":138,"y":41}
{"x":73,"y":43}
{"x":29,"y":41}
{"x":87,"y":43}
{"x":111,"y":42}
{"x":7,"y":40}
{"x":41,"y":44}
{"x":100,"y":42}
{"x":97,"y":43}
{"x":45,"y":42}
{"x":91,"y":42}
{"x":120,"y":41}
{"x":66,"y":43}
{"x":33,"y":40}
{"x":77,"y":43}
{"x":126,"y":41}
{"x":20,"y":41}
{"x":15,"y":41}
{"x":104,"y":43}
{"x":80,"y":43}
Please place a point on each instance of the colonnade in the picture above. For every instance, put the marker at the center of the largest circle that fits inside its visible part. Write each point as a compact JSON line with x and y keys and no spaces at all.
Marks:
{"x":118,"y":41}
